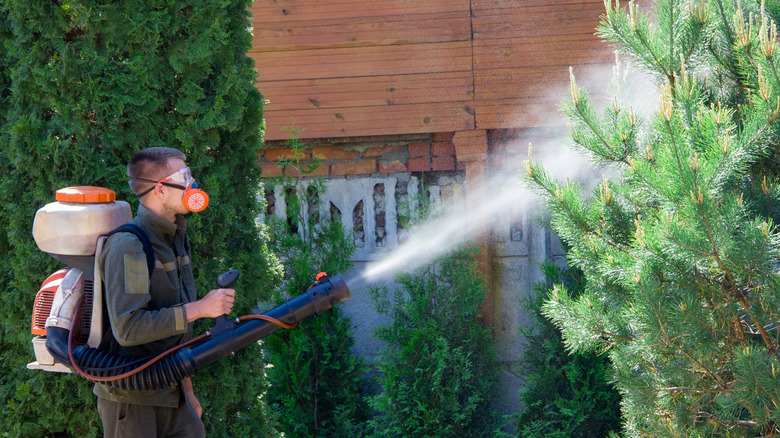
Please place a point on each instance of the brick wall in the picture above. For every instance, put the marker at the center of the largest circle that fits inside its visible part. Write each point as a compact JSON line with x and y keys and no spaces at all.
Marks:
{"x":369,"y":156}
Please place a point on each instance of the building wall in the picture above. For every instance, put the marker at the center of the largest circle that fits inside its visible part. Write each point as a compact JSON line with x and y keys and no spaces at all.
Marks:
{"x":351,"y":68}
{"x":441,"y":98}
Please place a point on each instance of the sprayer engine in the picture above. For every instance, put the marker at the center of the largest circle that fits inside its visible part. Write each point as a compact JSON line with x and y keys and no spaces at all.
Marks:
{"x":68,"y":310}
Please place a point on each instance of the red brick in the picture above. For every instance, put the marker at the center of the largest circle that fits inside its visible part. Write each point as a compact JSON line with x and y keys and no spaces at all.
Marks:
{"x":277,"y":154}
{"x":443,"y":136}
{"x":419,"y":164}
{"x":271,"y":170}
{"x":379,"y":151}
{"x":391,"y":167}
{"x":419,"y":149}
{"x":333,"y":153}
{"x":444,"y":163}
{"x":442,"y":149}
{"x":322,"y":170}
{"x":361,"y":167}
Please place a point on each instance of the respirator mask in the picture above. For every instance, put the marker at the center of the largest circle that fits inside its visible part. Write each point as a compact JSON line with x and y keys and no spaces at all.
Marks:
{"x":194,"y":199}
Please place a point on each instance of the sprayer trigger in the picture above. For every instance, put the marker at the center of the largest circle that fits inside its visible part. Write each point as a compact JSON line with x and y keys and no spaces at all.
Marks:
{"x":226,"y":279}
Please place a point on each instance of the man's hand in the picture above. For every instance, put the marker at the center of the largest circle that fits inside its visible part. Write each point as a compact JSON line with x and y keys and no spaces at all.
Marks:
{"x":190,"y":393}
{"x":216,"y":303}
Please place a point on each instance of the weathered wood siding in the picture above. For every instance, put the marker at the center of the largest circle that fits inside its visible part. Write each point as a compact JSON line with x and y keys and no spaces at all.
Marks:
{"x":343,"y":68}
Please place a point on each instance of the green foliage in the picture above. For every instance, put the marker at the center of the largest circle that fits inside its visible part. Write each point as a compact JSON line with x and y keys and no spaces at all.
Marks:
{"x":439,"y":368}
{"x":85,"y":85}
{"x":680,"y":250}
{"x":566,"y":395}
{"x":316,"y":381}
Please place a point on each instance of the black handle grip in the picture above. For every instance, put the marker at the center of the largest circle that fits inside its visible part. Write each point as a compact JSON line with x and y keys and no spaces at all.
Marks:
{"x":224,"y":281}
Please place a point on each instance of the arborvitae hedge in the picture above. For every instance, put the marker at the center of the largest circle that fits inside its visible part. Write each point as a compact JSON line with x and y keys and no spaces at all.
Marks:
{"x":84,"y":85}
{"x":566,"y":395}
{"x":317,"y":383}
{"x":439,"y":369}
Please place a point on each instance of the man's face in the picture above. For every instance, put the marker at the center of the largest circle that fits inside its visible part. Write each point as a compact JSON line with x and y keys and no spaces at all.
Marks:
{"x":172,"y":200}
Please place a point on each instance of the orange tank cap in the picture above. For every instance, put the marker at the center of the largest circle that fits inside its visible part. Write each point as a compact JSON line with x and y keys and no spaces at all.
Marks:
{"x":86,"y":195}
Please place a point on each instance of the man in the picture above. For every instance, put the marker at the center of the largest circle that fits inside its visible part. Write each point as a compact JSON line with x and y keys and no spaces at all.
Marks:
{"x":149,"y":314}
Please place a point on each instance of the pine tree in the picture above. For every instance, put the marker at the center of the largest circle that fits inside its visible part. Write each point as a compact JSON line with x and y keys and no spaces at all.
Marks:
{"x":680,"y":247}
{"x":85,"y":84}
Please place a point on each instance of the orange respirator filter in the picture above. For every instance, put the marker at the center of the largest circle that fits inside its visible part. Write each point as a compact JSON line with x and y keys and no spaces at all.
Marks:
{"x":196,"y":200}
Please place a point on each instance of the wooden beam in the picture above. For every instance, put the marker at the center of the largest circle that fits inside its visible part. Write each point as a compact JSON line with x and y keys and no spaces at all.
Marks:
{"x":368,"y":91}
{"x":539,"y":52}
{"x":363,"y":61}
{"x":371,"y":120}
{"x":539,"y":20}
{"x":289,"y":10}
{"x":480,"y":5}
{"x":519,"y":113}
{"x":361,"y":31}
{"x":553,"y":80}
{"x":470,"y":145}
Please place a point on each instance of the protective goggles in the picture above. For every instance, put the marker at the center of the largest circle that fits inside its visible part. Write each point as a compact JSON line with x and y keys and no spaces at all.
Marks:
{"x":181,"y":179}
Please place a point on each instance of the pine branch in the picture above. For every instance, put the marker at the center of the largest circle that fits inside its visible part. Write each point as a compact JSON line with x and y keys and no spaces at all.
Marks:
{"x":726,"y":420}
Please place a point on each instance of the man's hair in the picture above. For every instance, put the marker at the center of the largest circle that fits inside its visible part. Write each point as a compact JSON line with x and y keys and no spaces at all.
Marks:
{"x":150,"y":164}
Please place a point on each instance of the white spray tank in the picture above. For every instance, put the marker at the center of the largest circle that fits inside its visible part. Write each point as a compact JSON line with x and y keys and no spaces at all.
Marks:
{"x":73,"y":230}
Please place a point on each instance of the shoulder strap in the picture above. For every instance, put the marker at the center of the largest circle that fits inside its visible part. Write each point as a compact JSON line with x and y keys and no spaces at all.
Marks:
{"x":143,"y":237}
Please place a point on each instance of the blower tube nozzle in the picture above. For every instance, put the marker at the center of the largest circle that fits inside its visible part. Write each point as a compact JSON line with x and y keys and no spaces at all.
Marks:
{"x":224,"y":340}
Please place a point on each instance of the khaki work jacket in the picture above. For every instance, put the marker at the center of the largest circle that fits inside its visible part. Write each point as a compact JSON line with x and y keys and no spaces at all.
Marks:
{"x":146,"y":314}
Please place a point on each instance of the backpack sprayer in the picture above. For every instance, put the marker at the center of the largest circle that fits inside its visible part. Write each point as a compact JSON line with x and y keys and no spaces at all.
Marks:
{"x":68,"y":316}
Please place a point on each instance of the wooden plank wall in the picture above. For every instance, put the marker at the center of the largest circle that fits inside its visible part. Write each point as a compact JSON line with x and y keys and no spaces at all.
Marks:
{"x":342,"y":68}
{"x":522,"y":53}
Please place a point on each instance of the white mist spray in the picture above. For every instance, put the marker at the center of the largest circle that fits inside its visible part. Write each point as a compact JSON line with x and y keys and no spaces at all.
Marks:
{"x":453,"y":226}
{"x":459,"y":222}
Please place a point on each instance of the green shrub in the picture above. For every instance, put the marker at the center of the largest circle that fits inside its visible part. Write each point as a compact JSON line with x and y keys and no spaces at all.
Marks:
{"x":86,"y":84}
{"x":566,"y":395}
{"x":439,"y":372}
{"x":316,"y":381}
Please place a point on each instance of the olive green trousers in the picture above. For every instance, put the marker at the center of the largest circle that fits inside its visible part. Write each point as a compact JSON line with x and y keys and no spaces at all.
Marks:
{"x":124,"y":420}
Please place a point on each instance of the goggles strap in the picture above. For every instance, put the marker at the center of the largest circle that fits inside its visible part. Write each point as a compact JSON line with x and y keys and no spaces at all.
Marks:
{"x":175,"y":186}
